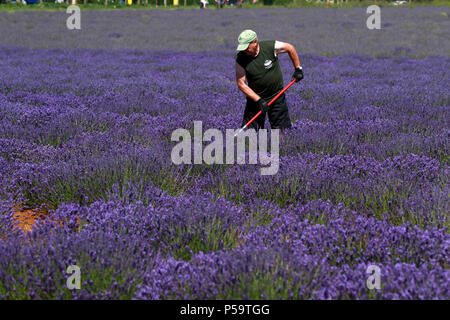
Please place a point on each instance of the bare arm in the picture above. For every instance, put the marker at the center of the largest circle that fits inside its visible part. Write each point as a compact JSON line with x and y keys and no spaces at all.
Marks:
{"x":283,"y":47}
{"x":242,"y":84}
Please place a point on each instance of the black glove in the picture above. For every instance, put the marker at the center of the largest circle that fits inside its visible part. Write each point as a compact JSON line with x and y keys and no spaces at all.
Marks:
{"x":298,"y":74}
{"x":262,"y":104}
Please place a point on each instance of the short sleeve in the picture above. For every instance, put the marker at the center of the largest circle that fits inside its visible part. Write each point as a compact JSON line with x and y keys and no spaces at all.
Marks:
{"x":271,"y":47}
{"x":240,"y":60}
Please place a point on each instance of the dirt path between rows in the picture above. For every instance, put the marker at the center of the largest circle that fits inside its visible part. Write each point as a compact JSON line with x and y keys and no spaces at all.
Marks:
{"x":26,"y":219}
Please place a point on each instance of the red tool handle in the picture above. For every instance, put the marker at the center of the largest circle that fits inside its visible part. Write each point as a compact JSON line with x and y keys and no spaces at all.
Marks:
{"x":271,"y":101}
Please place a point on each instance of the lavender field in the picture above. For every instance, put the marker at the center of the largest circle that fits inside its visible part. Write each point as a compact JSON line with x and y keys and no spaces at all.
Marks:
{"x":414,"y":32}
{"x":363,"y":178}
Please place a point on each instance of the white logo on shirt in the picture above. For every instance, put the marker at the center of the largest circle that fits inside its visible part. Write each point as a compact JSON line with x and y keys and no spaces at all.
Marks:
{"x":268,"y":64}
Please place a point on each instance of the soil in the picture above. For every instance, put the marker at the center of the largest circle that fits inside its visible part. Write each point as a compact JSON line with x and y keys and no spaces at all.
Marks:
{"x":26,"y":219}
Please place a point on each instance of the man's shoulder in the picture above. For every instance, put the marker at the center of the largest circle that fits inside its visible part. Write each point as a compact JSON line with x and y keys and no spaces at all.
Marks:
{"x":241,"y":58}
{"x":267,"y":43}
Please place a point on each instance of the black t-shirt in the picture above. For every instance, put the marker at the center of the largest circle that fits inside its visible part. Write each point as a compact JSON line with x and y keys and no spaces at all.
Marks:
{"x":263,"y":72}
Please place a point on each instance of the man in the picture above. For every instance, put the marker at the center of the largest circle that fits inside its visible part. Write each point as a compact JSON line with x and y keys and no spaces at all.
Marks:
{"x":257,"y":63}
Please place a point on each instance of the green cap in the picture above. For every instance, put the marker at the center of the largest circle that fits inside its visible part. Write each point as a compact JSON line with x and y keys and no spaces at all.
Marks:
{"x":245,"y":38}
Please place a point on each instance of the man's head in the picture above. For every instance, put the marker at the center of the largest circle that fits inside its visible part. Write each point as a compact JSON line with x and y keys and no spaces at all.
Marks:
{"x":248,"y":42}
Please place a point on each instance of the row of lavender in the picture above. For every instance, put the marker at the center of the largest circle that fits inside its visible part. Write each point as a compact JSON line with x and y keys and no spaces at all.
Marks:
{"x":195,"y":246}
{"x":363,"y":179}
{"x":351,"y":104}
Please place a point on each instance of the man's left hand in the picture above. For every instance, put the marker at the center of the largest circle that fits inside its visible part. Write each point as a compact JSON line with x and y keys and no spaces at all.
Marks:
{"x":298,"y":74}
